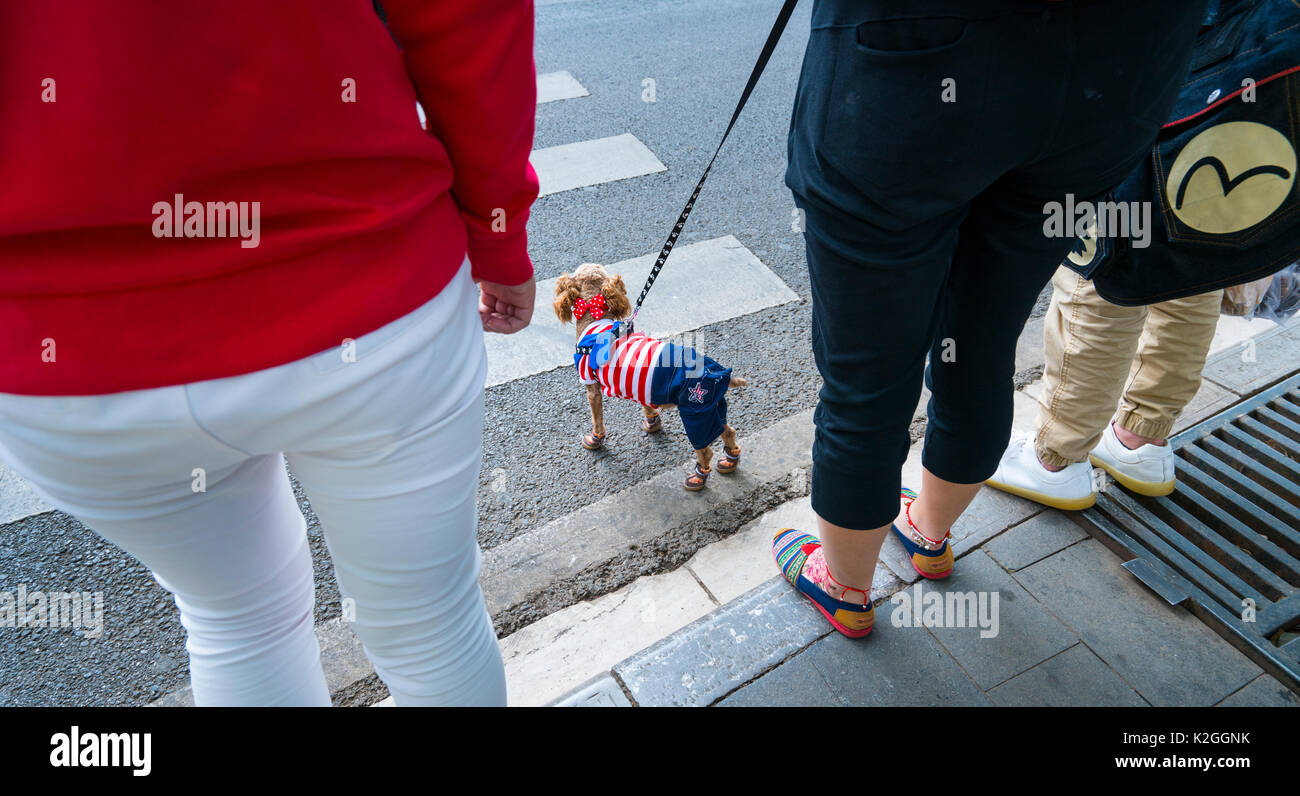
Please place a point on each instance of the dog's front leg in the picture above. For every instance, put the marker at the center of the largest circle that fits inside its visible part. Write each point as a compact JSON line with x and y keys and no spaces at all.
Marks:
{"x":594,"y":400}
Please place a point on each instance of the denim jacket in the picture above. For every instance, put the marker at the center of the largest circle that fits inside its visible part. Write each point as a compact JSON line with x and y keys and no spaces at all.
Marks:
{"x":1238,"y":105}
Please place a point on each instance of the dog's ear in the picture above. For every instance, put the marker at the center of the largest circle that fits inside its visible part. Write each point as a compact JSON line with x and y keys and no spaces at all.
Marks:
{"x":615,"y":293}
{"x":566,"y":292}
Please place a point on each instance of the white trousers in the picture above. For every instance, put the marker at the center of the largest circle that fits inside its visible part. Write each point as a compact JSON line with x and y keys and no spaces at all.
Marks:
{"x":191,"y":481}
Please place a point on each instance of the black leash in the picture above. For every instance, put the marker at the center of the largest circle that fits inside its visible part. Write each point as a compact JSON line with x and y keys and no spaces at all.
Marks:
{"x":772,"y":38}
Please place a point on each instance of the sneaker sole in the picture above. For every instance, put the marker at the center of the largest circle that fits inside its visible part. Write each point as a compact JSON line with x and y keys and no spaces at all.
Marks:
{"x":1145,"y":488}
{"x":1065,"y":504}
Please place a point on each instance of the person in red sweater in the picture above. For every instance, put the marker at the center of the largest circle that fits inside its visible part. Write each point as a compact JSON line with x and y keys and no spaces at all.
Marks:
{"x":226,"y":242}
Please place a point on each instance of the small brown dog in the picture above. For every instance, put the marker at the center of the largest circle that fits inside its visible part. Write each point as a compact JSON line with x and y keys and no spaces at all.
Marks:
{"x":654,"y":373}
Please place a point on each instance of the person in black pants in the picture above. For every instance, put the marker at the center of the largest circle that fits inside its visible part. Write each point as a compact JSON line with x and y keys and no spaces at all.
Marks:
{"x":929,"y":140}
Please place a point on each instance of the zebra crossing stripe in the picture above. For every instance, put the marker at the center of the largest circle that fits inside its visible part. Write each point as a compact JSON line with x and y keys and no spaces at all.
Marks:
{"x":553,"y":86}
{"x":601,"y":160}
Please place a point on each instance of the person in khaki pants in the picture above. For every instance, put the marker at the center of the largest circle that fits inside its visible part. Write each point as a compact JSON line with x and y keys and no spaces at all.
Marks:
{"x":1148,"y":359}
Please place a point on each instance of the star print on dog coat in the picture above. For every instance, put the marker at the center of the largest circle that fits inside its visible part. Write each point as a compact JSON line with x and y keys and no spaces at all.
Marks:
{"x":655,"y":373}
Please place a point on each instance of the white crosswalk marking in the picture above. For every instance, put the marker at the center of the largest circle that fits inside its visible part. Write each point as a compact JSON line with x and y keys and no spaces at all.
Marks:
{"x":601,"y":160}
{"x":553,"y":86}
{"x":703,"y":283}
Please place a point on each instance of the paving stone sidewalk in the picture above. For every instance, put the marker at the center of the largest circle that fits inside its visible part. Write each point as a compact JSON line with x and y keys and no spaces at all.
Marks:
{"x":1074,"y":629}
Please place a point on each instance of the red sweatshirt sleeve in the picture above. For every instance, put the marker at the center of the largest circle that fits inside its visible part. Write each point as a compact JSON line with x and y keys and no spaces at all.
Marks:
{"x":472,"y":65}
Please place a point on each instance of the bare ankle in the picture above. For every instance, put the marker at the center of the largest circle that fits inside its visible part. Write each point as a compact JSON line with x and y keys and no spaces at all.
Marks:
{"x":818,"y":570}
{"x":913,"y":516}
{"x":1134,"y":441}
{"x":849,"y":594}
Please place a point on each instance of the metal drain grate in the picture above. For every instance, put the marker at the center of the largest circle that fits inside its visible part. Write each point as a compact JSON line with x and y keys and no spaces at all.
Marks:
{"x":1227,"y":541}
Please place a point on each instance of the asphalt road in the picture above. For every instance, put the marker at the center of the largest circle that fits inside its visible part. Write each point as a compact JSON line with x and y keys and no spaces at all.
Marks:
{"x":698,"y":53}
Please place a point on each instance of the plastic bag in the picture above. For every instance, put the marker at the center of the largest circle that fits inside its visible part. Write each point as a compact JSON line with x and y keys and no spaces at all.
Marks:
{"x":1283,"y":297}
{"x":1244,"y":298}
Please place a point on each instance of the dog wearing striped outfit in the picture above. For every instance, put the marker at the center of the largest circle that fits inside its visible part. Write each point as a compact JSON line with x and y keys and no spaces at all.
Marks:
{"x":655,"y":373}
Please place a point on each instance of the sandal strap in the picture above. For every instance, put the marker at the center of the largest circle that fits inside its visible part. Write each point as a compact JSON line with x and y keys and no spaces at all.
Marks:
{"x":866,"y":595}
{"x":907,"y":512}
{"x":703,"y":475}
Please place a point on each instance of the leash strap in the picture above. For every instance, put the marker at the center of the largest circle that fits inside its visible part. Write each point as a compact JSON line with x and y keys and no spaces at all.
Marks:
{"x":772,"y":38}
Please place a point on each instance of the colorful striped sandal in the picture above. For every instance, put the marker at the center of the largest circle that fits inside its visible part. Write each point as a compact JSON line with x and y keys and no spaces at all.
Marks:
{"x":932,"y":564}
{"x":798,"y":555}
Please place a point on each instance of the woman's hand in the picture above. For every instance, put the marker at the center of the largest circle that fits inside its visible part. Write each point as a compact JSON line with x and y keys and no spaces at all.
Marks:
{"x":505,"y":309}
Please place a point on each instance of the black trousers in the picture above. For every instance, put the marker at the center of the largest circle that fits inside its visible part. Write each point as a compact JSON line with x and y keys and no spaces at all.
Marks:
{"x":928,"y":138}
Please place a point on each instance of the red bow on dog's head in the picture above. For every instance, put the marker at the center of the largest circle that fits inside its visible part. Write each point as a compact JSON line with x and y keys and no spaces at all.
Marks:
{"x":596,"y":305}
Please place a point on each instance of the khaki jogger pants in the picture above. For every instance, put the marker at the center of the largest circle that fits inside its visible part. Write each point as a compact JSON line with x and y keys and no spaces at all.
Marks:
{"x":1093,"y":345}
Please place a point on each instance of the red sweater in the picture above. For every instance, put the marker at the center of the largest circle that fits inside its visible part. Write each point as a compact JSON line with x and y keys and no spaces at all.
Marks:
{"x":363,"y":215}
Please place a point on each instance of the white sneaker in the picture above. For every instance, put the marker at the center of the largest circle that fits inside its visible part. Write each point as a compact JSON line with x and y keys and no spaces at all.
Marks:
{"x":1148,"y":470}
{"x":1020,"y":473}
